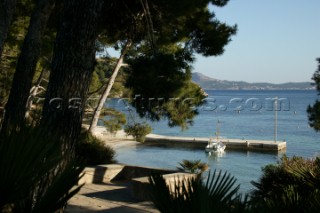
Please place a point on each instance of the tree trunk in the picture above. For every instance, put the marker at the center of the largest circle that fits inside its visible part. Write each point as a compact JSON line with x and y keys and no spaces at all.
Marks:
{"x":107,"y":90}
{"x":7,"y":8}
{"x":26,"y":66}
{"x":72,"y":68}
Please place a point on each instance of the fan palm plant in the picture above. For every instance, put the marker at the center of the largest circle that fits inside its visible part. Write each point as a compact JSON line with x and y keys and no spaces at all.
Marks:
{"x":217,"y":194}
{"x":193,"y":166}
{"x":27,"y":157}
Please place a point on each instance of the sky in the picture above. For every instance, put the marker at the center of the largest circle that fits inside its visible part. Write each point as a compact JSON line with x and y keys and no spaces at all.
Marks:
{"x":277,"y":41}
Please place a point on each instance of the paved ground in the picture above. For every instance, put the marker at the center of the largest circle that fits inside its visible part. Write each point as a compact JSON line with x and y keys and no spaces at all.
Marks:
{"x":108,"y":197}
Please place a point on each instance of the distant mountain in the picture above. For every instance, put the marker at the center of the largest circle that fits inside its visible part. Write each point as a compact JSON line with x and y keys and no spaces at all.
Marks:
{"x":211,"y":83}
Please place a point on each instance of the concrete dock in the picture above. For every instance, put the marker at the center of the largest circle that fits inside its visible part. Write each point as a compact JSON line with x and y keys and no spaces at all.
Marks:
{"x":197,"y":142}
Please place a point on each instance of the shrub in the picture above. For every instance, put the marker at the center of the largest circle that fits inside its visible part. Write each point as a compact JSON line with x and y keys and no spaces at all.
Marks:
{"x":93,"y":151}
{"x":113,"y":119}
{"x":138,"y":131}
{"x":293,"y":185}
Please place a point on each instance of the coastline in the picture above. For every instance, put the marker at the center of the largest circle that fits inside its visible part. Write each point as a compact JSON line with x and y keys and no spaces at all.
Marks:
{"x":116,"y":140}
{"x":120,"y":139}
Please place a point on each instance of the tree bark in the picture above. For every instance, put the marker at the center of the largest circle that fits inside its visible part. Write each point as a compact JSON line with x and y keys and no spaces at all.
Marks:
{"x":107,"y":90}
{"x":22,"y":81}
{"x":72,"y":68}
{"x":7,"y":8}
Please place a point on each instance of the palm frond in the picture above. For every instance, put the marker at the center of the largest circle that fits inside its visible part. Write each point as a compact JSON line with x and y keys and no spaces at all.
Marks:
{"x":27,"y":157}
{"x":193,"y":166}
{"x":217,"y":194}
{"x":59,"y":192}
{"x":24,"y":159}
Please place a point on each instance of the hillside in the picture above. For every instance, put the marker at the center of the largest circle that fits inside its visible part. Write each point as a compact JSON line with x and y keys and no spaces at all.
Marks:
{"x":211,"y":83}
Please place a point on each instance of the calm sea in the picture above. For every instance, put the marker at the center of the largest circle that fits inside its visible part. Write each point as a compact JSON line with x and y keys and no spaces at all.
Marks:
{"x":241,"y":114}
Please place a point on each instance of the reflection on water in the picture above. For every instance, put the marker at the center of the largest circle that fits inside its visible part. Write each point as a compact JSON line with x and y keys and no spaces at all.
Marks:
{"x":215,"y":155}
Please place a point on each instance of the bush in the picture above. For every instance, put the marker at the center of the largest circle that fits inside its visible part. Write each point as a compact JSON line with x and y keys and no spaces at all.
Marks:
{"x":293,"y":185}
{"x":113,"y":120}
{"x":93,"y":151}
{"x":138,"y":131}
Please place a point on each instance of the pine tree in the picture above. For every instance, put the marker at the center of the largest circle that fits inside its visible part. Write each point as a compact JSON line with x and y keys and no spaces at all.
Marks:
{"x":7,"y":8}
{"x":26,"y":66}
{"x":72,"y":67}
{"x":314,"y":110}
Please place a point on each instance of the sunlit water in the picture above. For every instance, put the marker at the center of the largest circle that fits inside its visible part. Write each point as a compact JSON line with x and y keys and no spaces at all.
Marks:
{"x":242,"y":114}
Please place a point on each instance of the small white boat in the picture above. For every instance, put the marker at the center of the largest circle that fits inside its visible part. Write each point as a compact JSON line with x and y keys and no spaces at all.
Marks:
{"x":215,"y":146}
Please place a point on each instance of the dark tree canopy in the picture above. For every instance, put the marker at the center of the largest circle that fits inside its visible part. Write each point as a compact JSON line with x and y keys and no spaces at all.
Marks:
{"x":165,"y":40}
{"x":314,"y":110}
{"x":167,"y":22}
{"x":162,"y":88}
{"x":26,"y":65}
{"x":7,"y":8}
{"x":316,"y":76}
{"x":165,"y":35}
{"x":11,"y":46}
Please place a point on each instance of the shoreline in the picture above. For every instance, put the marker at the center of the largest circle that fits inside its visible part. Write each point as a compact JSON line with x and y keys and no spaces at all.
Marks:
{"x":120,"y":139}
{"x":116,"y":140}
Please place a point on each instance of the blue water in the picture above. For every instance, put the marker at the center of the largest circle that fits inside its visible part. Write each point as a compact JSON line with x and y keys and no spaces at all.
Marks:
{"x":242,"y":114}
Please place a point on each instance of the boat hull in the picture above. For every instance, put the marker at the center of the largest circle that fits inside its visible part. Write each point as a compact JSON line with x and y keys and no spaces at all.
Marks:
{"x":215,"y":147}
